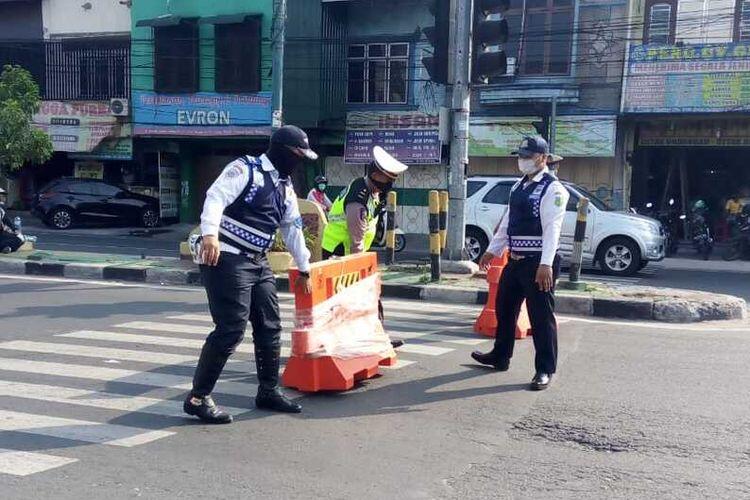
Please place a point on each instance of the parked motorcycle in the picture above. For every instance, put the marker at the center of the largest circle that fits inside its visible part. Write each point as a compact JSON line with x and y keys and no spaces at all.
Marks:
{"x":669,"y":222}
{"x":380,"y":234}
{"x":703,"y":242}
{"x":739,"y":245}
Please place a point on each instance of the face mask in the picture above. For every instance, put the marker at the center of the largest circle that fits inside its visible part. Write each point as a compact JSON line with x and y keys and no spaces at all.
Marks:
{"x":527,"y":166}
{"x":321,"y":187}
{"x":381,"y":186}
{"x":284,"y":159}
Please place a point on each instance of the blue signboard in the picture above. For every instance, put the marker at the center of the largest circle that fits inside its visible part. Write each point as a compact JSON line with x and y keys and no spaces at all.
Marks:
{"x":407,"y":145}
{"x":201,"y":114}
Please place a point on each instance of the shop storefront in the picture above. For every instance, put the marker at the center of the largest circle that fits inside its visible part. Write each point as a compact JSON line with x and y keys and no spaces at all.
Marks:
{"x":690,"y":140}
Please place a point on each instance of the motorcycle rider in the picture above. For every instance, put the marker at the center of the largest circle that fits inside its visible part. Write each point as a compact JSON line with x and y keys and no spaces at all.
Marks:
{"x":318,"y":193}
{"x":9,"y":240}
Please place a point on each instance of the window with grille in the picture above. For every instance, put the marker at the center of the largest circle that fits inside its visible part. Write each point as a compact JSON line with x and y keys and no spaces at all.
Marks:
{"x":660,"y":22}
{"x":237,"y":54}
{"x":176,"y":58}
{"x":742,"y":21}
{"x":541,"y":36}
{"x":378,"y":73}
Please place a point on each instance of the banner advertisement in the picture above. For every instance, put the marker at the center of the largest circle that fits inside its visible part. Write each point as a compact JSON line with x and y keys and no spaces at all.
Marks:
{"x":497,"y":137}
{"x":82,"y":126}
{"x":204,"y":114}
{"x":88,"y":170}
{"x":709,"y":133}
{"x":691,"y":78}
{"x":410,"y":137}
{"x":586,"y":136}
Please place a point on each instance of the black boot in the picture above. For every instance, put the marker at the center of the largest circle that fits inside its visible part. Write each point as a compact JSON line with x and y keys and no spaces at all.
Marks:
{"x":491,"y":359}
{"x":205,"y":409}
{"x":270,"y":397}
{"x":210,"y":365}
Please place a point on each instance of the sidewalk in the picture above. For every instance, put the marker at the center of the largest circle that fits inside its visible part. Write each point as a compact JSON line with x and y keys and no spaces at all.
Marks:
{"x":400,"y":281}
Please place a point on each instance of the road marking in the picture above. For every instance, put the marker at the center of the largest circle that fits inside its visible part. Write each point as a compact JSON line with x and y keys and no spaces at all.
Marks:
{"x":154,"y":326}
{"x":467,"y":341}
{"x":118,"y":375}
{"x":161,"y":358}
{"x":400,"y":363}
{"x":427,"y":350}
{"x":25,"y":463}
{"x":133,"y":338}
{"x":693,"y":327}
{"x":78,"y":430}
{"x":96,"y":399}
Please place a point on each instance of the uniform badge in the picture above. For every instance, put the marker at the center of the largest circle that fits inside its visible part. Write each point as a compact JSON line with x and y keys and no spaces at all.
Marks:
{"x":558,"y":201}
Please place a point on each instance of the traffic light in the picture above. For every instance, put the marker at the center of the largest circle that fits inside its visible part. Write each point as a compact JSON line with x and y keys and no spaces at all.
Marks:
{"x":438,"y":35}
{"x":488,"y":33}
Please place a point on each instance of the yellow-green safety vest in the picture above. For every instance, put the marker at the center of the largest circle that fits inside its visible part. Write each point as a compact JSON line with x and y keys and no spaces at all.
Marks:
{"x":337,"y":231}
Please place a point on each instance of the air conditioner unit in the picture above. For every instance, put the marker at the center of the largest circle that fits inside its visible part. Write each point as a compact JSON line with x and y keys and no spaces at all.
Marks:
{"x":119,"y":107}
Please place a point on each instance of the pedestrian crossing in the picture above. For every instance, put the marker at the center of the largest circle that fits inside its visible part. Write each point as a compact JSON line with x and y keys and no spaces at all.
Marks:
{"x":122,"y":385}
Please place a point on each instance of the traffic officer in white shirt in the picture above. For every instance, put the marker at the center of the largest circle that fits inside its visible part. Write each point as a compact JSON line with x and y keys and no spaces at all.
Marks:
{"x":245,"y":206}
{"x":531,"y":229}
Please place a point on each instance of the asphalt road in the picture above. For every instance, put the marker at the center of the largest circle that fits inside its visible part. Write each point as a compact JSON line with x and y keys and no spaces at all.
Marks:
{"x":92,"y":376}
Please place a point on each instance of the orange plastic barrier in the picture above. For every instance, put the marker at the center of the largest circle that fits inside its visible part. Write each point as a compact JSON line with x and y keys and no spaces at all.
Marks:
{"x":486,"y":323}
{"x":338,"y":338}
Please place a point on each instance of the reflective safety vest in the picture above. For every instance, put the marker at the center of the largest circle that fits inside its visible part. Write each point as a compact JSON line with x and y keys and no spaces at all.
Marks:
{"x":337,"y":231}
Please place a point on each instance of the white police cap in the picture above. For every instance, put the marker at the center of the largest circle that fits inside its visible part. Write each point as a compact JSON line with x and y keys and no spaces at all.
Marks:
{"x":386,"y":163}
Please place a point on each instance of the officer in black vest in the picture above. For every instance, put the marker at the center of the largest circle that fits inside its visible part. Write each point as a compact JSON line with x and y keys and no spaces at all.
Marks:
{"x":248,"y":203}
{"x":531,"y":229}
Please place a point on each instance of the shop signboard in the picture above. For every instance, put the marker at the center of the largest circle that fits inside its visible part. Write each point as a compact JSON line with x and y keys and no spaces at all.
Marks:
{"x":698,"y":78}
{"x":169,"y":186}
{"x":498,"y":137}
{"x":411,"y":137}
{"x":706,"y":133}
{"x":585,"y":136}
{"x":82,"y":126}
{"x":88,"y":170}
{"x":204,"y":114}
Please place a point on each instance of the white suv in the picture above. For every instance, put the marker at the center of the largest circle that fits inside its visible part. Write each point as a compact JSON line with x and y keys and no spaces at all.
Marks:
{"x":621,"y":243}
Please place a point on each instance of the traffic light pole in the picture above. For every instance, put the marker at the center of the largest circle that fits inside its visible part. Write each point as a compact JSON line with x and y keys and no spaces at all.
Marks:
{"x":460,"y":56}
{"x":278,"y":39}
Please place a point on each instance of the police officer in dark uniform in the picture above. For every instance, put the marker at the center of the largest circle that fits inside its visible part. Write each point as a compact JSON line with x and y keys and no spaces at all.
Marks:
{"x":248,"y":203}
{"x":531,"y":229}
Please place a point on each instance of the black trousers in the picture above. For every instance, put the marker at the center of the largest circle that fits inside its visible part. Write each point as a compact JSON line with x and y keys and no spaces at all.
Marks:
{"x":516,"y":284}
{"x":240,"y":289}
{"x":10,"y":240}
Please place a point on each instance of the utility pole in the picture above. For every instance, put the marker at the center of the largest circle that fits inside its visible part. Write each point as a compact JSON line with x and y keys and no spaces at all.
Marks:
{"x":278,"y":39}
{"x":553,"y":125}
{"x":460,"y":55}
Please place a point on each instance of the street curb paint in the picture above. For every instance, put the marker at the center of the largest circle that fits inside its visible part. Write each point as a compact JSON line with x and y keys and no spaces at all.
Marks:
{"x":125,"y":274}
{"x":45,"y":269}
{"x":623,"y":308}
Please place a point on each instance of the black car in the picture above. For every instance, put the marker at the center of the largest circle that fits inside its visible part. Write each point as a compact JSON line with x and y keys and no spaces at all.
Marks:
{"x":65,"y":202}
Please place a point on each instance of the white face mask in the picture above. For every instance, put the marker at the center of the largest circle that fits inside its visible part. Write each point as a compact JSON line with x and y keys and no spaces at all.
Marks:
{"x":527,"y":166}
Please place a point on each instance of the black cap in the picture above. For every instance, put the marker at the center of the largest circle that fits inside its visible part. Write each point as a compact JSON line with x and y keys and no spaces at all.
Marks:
{"x":294,"y":137}
{"x":531,"y":145}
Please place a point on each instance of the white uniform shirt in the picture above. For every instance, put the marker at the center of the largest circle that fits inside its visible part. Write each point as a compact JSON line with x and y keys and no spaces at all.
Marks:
{"x":228,"y":187}
{"x":552,"y":213}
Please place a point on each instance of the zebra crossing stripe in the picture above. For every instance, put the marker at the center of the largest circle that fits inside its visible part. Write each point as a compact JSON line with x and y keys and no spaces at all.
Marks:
{"x":96,"y":399}
{"x":119,"y":375}
{"x":427,"y":350}
{"x":78,"y":430}
{"x":88,"y":351}
{"x":132,"y":338}
{"x":400,"y":363}
{"x":165,"y":327}
{"x":25,"y":463}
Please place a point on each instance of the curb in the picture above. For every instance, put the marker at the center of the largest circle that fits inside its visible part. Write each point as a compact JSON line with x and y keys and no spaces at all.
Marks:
{"x":674,"y":310}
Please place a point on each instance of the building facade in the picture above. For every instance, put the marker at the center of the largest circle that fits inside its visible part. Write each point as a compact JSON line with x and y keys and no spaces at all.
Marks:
{"x":201,"y":92}
{"x":685,"y":102}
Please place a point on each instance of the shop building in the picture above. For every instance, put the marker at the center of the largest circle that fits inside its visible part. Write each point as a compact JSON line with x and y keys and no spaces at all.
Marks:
{"x":201,"y":93}
{"x":685,"y":104}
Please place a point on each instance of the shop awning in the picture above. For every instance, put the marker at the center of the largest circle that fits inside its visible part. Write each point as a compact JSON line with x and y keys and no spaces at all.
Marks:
{"x":158,"y":22}
{"x":227,"y":19}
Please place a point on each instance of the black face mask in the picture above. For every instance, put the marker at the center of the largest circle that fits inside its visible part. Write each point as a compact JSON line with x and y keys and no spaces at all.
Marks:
{"x":284,"y":159}
{"x":382,"y":186}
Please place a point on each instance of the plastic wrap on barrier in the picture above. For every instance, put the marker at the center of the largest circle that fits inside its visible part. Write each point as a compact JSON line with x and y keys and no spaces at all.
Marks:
{"x":344,"y":326}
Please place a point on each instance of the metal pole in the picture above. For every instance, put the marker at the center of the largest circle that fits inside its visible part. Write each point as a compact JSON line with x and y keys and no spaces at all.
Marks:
{"x":553,"y":126}
{"x":390,"y":228}
{"x":278,"y":38}
{"x":460,"y":53}
{"x":434,"y":200}
{"x":578,"y":237}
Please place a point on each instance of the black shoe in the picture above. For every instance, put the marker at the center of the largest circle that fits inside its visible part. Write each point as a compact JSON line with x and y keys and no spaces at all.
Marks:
{"x":396,"y":343}
{"x":541,"y":381}
{"x":206,"y":410}
{"x":490,"y":359}
{"x":275,"y":400}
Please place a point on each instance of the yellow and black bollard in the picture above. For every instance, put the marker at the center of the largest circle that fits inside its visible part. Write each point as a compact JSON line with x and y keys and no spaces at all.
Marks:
{"x":578,"y":237}
{"x":443,"y":220}
{"x":390,"y":228}
{"x":434,"y":200}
